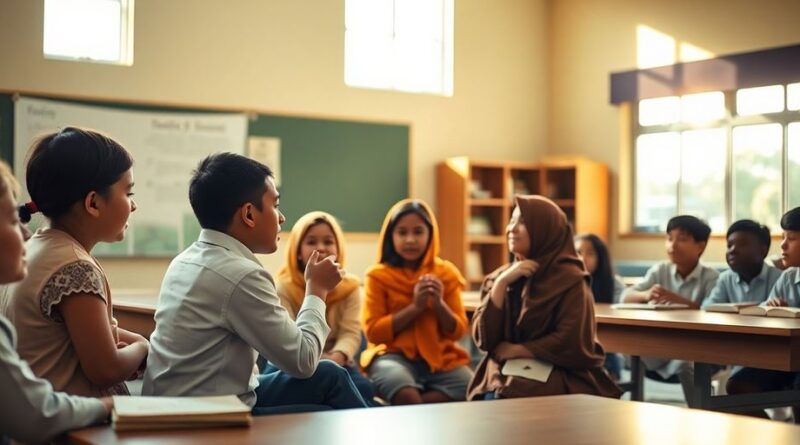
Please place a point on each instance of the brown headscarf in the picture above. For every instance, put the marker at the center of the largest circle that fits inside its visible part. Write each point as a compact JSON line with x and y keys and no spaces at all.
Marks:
{"x":552,"y":316}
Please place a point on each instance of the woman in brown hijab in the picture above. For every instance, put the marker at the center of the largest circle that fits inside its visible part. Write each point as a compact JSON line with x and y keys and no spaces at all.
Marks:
{"x":539,"y":307}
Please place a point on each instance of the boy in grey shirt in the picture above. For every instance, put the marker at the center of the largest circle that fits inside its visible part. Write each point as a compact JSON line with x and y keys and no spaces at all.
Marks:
{"x":683,"y":280}
{"x":218,"y":307}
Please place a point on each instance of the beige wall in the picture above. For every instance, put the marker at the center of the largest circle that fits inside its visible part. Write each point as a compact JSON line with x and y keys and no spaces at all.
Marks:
{"x":287,"y":56}
{"x":592,"y":38}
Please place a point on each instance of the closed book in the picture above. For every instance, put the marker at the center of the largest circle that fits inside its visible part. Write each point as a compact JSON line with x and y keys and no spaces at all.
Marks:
{"x":732,"y":308}
{"x":153,"y":413}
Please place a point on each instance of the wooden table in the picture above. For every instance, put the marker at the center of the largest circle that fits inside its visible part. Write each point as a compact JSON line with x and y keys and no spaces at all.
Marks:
{"x":705,"y":338}
{"x":574,"y":419}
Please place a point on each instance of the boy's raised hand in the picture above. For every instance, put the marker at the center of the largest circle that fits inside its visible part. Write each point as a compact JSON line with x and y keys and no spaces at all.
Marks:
{"x":322,"y":275}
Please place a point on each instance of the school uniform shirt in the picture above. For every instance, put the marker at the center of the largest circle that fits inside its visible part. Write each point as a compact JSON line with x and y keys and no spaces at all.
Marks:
{"x":787,"y":287}
{"x":58,"y":266}
{"x":217,"y":308}
{"x":731,"y":288}
{"x":30,"y":411}
{"x":619,"y":288}
{"x":696,"y":286}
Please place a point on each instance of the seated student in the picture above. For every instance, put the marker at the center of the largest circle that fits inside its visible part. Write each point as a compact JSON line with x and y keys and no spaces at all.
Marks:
{"x":319,"y":231}
{"x":606,"y":286}
{"x":749,"y":277}
{"x":218,"y":306}
{"x":82,"y":182}
{"x":539,"y":307}
{"x":785,"y":292}
{"x":30,"y":411}
{"x":413,"y":314}
{"x":682,"y":279}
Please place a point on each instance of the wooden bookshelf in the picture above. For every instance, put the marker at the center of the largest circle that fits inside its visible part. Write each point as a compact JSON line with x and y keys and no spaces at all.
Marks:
{"x":475,"y":200}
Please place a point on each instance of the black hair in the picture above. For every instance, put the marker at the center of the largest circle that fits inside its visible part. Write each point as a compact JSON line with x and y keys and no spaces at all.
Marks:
{"x":791,"y":220}
{"x":63,"y":167}
{"x":760,"y":231}
{"x":603,"y":275}
{"x":222,"y":183}
{"x":692,"y":225}
{"x":389,"y":254}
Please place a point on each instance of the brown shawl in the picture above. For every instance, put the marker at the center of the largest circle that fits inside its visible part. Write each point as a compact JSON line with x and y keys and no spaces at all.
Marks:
{"x":555,"y":320}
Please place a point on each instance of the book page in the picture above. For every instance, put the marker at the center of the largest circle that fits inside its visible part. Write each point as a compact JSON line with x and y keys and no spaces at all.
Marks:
{"x":143,"y":406}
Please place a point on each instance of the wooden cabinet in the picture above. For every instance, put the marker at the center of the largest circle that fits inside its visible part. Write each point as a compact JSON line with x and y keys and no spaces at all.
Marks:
{"x":475,"y":200}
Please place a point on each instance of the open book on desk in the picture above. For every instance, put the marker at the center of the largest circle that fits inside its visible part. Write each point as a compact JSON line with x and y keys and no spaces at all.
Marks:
{"x":158,"y":413}
{"x":650,"y":306}
{"x":732,"y":308}
{"x":772,"y":311}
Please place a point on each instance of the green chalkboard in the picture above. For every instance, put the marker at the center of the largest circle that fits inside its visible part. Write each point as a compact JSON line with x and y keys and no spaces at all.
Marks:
{"x":351,"y":169}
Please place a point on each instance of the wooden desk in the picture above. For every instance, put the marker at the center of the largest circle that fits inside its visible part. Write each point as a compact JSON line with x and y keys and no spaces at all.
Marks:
{"x":578,"y":419}
{"x":705,"y":338}
{"x":134,"y":310}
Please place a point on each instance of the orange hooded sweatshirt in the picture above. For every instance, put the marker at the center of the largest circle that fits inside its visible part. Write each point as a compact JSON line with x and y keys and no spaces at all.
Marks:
{"x":389,"y":289}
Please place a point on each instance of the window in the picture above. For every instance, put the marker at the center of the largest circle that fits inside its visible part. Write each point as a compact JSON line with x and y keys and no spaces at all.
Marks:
{"x":721,"y":156}
{"x":404,"y":45}
{"x":89,"y":30}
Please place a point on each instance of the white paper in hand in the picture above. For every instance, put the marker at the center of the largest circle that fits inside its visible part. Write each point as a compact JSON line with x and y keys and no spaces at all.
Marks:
{"x":528,"y":368}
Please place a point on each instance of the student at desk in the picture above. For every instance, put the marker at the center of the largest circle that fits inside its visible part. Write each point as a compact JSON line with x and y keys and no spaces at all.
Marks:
{"x":749,"y":278}
{"x":785,"y":292}
{"x":538,"y":307}
{"x":682,"y":279}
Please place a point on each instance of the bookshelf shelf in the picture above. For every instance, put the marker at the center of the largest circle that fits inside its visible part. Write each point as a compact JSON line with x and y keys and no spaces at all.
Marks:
{"x":475,"y":201}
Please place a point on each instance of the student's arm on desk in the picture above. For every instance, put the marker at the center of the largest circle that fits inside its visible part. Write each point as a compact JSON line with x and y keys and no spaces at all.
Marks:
{"x":640,"y":292}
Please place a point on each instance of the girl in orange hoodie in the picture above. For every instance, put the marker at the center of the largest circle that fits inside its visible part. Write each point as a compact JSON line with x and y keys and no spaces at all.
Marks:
{"x":319,"y":231}
{"x":413,"y":314}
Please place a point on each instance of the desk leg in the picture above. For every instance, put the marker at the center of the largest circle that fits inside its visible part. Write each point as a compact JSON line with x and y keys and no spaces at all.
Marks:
{"x":699,"y":396}
{"x":637,"y":378}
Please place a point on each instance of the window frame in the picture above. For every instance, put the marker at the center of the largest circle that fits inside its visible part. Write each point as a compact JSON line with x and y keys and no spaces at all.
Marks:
{"x":728,"y":122}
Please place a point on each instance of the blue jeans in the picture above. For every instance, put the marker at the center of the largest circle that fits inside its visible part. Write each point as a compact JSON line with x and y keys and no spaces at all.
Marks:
{"x":363,"y":384}
{"x":330,"y":387}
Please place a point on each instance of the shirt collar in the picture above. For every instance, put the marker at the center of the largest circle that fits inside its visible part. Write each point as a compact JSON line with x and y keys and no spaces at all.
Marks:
{"x":695,"y":274}
{"x":228,"y":242}
{"x":762,"y":276}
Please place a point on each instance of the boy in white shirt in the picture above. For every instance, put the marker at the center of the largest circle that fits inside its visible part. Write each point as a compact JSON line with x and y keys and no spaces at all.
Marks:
{"x":218,"y":307}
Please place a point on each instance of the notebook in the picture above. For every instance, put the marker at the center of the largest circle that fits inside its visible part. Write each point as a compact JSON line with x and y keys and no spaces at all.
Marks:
{"x":650,"y":306}
{"x":772,"y":311}
{"x":152,"y":413}
{"x":729,"y":307}
{"x":528,"y":368}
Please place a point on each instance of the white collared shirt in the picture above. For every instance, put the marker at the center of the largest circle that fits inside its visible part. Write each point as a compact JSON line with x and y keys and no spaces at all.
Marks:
{"x":217,"y":308}
{"x":696,"y":286}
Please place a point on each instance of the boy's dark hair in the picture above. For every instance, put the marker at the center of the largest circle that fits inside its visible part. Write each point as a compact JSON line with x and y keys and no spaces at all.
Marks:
{"x":389,"y":254}
{"x":748,"y":225}
{"x":222,"y":183}
{"x":63,"y":167}
{"x":692,"y":225}
{"x":791,"y":220}
{"x":603,"y":276}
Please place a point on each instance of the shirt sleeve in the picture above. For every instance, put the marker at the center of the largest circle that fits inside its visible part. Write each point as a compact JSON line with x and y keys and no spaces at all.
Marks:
{"x":650,"y":278}
{"x":709,"y":285}
{"x":255,"y":313}
{"x":619,"y":289}
{"x":31,"y":411}
{"x":376,"y":317}
{"x":719,"y":293}
{"x":80,"y":277}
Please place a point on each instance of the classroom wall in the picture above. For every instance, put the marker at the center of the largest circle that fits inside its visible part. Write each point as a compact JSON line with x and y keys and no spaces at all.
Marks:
{"x":592,"y":38}
{"x":287,"y":57}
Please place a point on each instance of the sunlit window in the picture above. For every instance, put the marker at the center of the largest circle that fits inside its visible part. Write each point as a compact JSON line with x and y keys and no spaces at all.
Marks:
{"x":750,"y":101}
{"x":89,"y":30}
{"x":404,"y":45}
{"x":793,"y":96}
{"x":703,"y":107}
{"x":660,"y":111}
{"x":694,"y":155}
